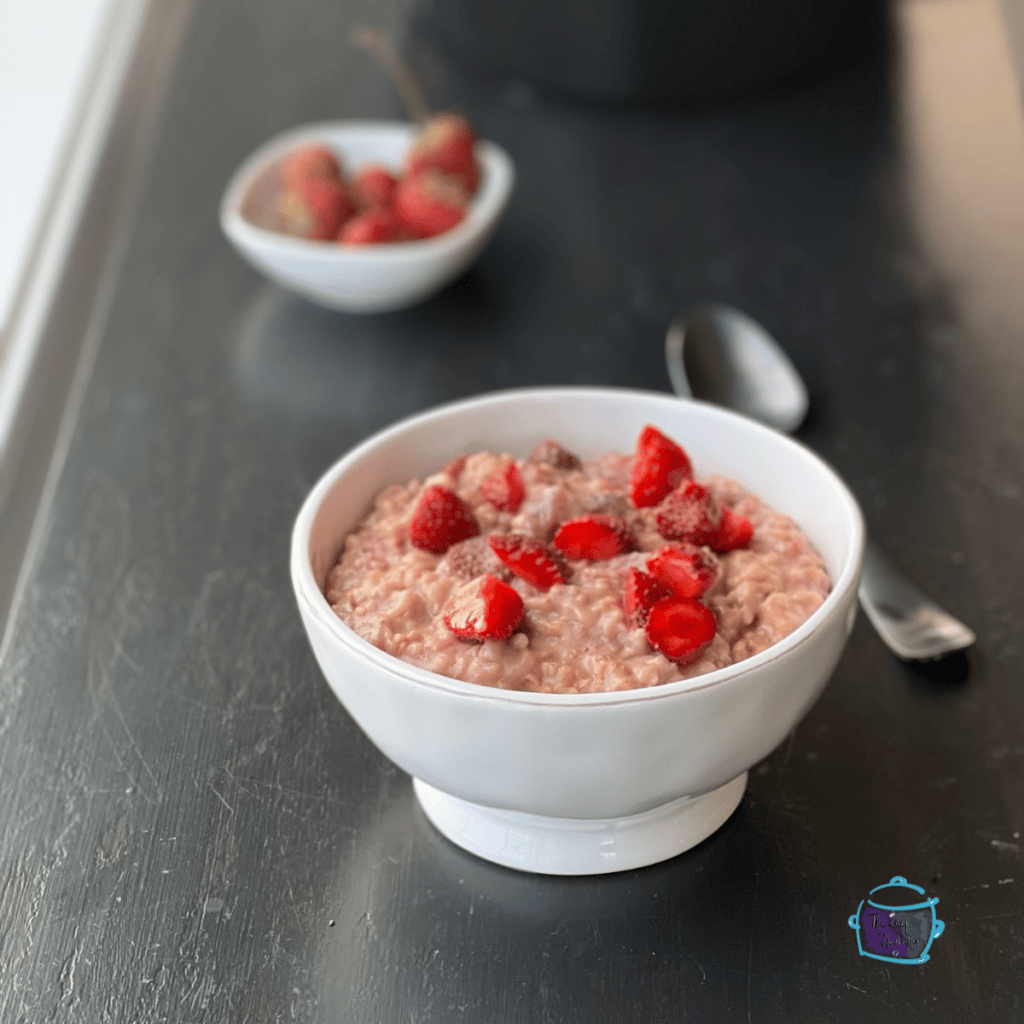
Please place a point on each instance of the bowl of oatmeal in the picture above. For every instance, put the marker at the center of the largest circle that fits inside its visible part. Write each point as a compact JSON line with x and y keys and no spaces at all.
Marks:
{"x":555,"y":723}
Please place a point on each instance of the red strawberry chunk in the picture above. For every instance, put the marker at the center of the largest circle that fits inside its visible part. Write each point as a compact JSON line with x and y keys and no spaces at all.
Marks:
{"x":685,"y":569}
{"x":441,"y":518}
{"x":484,"y":610}
{"x":640,"y":594}
{"x":530,"y":560}
{"x":471,"y":558}
{"x":681,"y":628}
{"x":659,"y":466}
{"x":505,"y":490}
{"x":734,"y":531}
{"x":690,"y":514}
{"x":596,"y":537}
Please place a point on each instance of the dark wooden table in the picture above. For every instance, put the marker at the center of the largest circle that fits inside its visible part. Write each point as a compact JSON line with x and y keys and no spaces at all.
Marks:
{"x":193,"y":830}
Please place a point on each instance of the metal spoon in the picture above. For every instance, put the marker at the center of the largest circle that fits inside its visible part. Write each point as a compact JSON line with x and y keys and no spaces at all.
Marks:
{"x":722,"y":355}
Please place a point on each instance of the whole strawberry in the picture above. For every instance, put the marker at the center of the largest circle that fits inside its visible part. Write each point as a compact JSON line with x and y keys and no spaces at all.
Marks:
{"x":313,"y":161}
{"x":314,"y":208}
{"x":374,"y":185}
{"x":441,"y":519}
{"x":429,"y":203}
{"x":447,"y":143}
{"x":369,"y":228}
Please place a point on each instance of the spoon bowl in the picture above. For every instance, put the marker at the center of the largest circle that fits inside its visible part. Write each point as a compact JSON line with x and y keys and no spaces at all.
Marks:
{"x":727,"y":358}
{"x":722,"y":355}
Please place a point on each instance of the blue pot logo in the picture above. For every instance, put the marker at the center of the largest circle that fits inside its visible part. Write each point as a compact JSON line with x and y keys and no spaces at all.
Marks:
{"x":895,"y":924}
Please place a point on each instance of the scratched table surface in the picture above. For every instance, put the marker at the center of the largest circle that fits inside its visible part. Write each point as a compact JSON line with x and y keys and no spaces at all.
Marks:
{"x":191,"y":827}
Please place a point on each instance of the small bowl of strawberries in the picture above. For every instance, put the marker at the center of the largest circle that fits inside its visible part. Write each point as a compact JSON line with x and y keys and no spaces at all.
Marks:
{"x":368,"y":216}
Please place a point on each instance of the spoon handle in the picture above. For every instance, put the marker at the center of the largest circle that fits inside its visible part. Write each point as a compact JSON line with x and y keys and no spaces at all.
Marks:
{"x":914,"y":627}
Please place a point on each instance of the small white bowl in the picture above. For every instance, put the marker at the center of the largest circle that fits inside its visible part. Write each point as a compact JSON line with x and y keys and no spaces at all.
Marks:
{"x":580,"y":783}
{"x":358,"y":279}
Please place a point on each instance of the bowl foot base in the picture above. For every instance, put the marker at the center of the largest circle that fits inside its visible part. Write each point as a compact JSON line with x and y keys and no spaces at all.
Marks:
{"x":579,"y":846}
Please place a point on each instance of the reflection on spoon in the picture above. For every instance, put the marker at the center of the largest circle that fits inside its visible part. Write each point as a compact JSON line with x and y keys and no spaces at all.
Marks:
{"x":733,"y":361}
{"x":722,"y":355}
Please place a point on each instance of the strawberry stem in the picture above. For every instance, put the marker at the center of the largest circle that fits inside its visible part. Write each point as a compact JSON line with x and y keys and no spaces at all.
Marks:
{"x":409,"y":91}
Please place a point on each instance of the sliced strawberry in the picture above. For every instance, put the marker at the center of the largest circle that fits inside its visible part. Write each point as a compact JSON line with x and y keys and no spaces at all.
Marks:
{"x":530,"y":560}
{"x":690,"y":513}
{"x":639,"y":595}
{"x":429,"y":203}
{"x":484,"y":610}
{"x":596,"y":537}
{"x":685,"y":569}
{"x":441,"y":518}
{"x":659,"y":466}
{"x":505,"y":489}
{"x":551,"y":453}
{"x":680,"y":627}
{"x":374,"y":185}
{"x":734,"y":531}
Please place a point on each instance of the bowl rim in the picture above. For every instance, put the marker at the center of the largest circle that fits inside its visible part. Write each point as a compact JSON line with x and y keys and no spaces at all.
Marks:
{"x":485,"y":207}
{"x":312,"y":599}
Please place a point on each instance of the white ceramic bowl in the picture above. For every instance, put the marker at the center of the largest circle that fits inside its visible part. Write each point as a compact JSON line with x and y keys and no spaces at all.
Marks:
{"x":580,"y":783}
{"x":363,"y":279}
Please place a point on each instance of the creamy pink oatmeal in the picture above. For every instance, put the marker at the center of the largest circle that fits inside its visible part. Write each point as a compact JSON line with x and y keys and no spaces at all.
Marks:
{"x":581,"y":634}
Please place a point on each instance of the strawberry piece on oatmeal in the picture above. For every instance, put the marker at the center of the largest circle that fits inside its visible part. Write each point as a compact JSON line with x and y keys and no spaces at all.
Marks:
{"x":641,"y":592}
{"x":484,"y":609}
{"x":468,"y":559}
{"x":505,"y":490}
{"x":681,"y":628}
{"x":595,"y":537}
{"x":734,"y":531}
{"x":690,"y":513}
{"x":659,"y":466}
{"x":685,"y":569}
{"x":537,"y":563}
{"x":441,"y":519}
